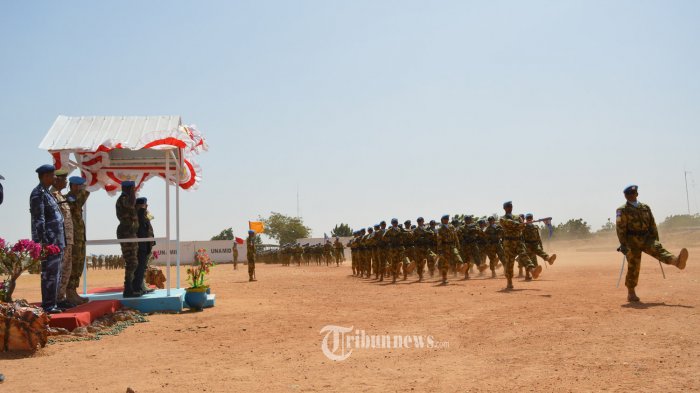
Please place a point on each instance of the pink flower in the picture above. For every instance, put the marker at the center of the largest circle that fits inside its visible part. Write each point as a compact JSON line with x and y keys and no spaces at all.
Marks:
{"x":2,"y":243}
{"x":155,"y":254}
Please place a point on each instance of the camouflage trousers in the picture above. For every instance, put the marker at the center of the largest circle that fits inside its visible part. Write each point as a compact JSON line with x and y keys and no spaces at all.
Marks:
{"x":449,"y":258}
{"x":130,"y":254}
{"x":251,"y":266}
{"x":66,"y":267}
{"x":425,"y":255}
{"x":472,"y":253}
{"x":634,"y":260}
{"x":77,"y":265}
{"x":495,"y":253}
{"x":533,"y":251}
{"x":513,"y":249}
{"x":378,"y":262}
{"x":396,"y":258}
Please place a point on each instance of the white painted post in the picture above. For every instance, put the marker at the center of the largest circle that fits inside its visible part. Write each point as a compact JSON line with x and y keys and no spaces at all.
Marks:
{"x":177,"y":214}
{"x":167,"y":217}
{"x":85,"y":261}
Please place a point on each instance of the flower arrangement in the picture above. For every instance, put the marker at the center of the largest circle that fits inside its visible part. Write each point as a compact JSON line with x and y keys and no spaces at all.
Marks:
{"x":200,"y":268}
{"x":15,"y":259}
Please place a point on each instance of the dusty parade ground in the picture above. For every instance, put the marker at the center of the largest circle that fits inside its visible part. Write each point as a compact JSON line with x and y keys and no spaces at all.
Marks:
{"x":572,"y":330}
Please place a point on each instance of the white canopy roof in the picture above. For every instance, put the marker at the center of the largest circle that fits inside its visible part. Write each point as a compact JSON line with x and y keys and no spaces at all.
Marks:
{"x":87,"y":133}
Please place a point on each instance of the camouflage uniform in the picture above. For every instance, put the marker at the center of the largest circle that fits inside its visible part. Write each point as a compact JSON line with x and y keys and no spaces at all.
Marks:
{"x":47,"y":228}
{"x":127,"y":229}
{"x":250,"y":249}
{"x":424,"y":240}
{"x":328,"y":253}
{"x":235,"y":255}
{"x":395,"y":249}
{"x":447,"y":242}
{"x":76,"y":201}
{"x":494,"y":248}
{"x":379,"y":253}
{"x":67,"y":261}
{"x":533,"y":243}
{"x":513,"y":245}
{"x":409,"y":254}
{"x":636,"y":229}
{"x":339,"y":252}
{"x":469,"y":234}
{"x":144,"y":249}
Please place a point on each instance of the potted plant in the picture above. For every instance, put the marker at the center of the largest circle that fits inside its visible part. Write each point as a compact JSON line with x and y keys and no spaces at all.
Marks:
{"x":15,"y":259}
{"x":196,"y":294}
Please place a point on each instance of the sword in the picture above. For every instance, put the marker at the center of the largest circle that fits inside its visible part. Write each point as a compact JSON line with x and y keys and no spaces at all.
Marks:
{"x":662,"y":269}
{"x":622,"y":269}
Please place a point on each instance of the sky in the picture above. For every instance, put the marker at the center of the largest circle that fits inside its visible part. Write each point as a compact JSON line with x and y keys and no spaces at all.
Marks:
{"x":370,"y":109}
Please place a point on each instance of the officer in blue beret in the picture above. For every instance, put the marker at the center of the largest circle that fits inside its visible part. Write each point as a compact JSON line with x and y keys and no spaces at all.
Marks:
{"x":47,"y":228}
{"x":145,"y":249}
{"x":127,"y":229}
{"x":637,"y":233}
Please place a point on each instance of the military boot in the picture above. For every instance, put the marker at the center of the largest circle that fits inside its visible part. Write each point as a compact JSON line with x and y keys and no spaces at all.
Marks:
{"x":682,"y":259}
{"x":520,"y":271}
{"x":536,"y":272}
{"x":528,"y":275}
{"x":632,"y":296}
{"x":493,"y":274}
{"x":510,"y":283}
{"x":552,"y":258}
{"x":73,"y":297}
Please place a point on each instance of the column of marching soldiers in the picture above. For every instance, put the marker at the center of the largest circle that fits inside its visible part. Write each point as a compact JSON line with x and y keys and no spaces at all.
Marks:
{"x":382,"y":251}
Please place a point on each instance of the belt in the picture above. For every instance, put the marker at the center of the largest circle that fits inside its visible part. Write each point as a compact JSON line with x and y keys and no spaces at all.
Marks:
{"x":637,"y":233}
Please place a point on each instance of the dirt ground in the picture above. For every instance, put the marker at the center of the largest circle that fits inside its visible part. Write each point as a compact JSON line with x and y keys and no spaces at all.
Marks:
{"x":571,"y":330}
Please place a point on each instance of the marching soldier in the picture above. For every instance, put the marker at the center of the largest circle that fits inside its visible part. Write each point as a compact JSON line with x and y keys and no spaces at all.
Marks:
{"x":637,"y":233}
{"x":339,"y":251}
{"x":533,"y":242}
{"x":469,"y":234}
{"x":494,"y":249}
{"x":424,"y":239}
{"x":250,"y":249}
{"x":235,"y":255}
{"x":394,"y":241}
{"x":513,"y":245}
{"x":447,"y":242}
{"x":410,"y":249}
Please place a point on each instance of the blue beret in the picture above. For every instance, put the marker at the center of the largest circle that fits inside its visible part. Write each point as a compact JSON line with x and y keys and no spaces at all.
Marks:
{"x":377,"y":226}
{"x":251,"y":232}
{"x":419,"y":219}
{"x":76,"y":180}
{"x":394,"y":220}
{"x":508,"y":203}
{"x":445,"y":217}
{"x":141,"y":200}
{"x":128,"y":183}
{"x":630,"y":189}
{"x":491,"y":218}
{"x":382,"y":223}
{"x":528,"y":215}
{"x":46,"y":168}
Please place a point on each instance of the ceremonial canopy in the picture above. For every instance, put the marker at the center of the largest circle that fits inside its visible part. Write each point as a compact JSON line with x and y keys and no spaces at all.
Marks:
{"x":112,"y":149}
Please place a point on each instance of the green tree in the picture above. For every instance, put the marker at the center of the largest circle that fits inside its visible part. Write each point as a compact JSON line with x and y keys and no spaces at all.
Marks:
{"x":341,"y":230}
{"x":573,"y":229}
{"x":285,"y":229}
{"x":680,"y":221}
{"x":226,"y":234}
{"x":607,"y":227}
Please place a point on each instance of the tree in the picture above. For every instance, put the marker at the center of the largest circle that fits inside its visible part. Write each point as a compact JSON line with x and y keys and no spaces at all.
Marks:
{"x":341,"y":230}
{"x":573,"y":229}
{"x":285,"y":229}
{"x":607,"y":227}
{"x":226,"y":234}
{"x":680,"y":221}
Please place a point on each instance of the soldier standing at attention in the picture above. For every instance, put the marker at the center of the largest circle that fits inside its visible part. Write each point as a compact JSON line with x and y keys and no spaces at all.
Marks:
{"x":47,"y":228}
{"x":513,"y":245}
{"x":235,"y":255}
{"x":144,"y":248}
{"x":339,"y":251}
{"x":127,"y":229}
{"x":250,"y":249}
{"x":637,"y":232}
{"x":394,"y":241}
{"x":76,"y":197}
{"x":59,"y":183}
{"x":447,"y":247}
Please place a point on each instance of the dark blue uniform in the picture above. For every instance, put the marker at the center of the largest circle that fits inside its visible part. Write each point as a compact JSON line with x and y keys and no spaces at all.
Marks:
{"x":47,"y":228}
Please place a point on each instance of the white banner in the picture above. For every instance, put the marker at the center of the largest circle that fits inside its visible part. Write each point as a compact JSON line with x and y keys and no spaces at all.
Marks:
{"x":220,"y":251}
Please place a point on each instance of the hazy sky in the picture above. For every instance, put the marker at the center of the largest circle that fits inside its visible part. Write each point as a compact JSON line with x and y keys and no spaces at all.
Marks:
{"x":374,"y":109}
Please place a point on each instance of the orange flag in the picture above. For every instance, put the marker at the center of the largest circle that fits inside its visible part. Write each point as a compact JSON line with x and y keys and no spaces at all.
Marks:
{"x":256,"y":226}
